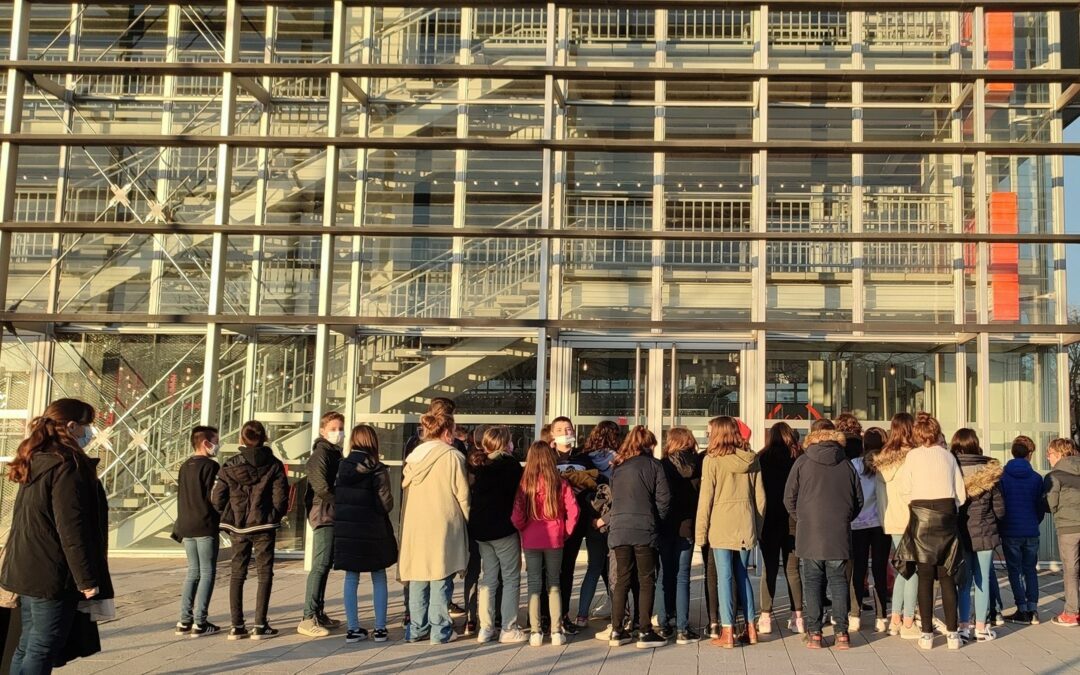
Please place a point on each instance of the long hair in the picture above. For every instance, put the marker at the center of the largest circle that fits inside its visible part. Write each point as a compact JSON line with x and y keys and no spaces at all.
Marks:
{"x":541,"y":473}
{"x":926,"y":431}
{"x":679,"y":438}
{"x":496,"y":438}
{"x":873,"y":441}
{"x":49,"y":433}
{"x":900,"y":433}
{"x":965,"y":442}
{"x":253,"y":434}
{"x":724,"y":437}
{"x":638,"y":442}
{"x":604,"y":436}
{"x":782,"y":441}
{"x":365,"y":439}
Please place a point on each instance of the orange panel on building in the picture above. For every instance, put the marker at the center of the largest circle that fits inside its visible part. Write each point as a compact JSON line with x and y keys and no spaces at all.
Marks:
{"x":1004,"y":258}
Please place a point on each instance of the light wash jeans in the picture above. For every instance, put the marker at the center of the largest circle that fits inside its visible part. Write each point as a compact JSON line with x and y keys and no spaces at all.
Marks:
{"x":202,"y":555}
{"x":429,"y":610}
{"x":976,"y":572}
{"x":905,"y":592}
{"x":500,"y":556}
{"x":729,"y":564}
{"x":379,"y":598}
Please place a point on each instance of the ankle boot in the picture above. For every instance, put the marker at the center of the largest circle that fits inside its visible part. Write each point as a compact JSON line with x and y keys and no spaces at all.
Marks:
{"x":751,"y":633}
{"x":726,"y":639}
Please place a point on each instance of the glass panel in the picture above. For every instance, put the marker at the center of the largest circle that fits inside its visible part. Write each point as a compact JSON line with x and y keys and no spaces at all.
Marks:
{"x":809,"y":111}
{"x":724,"y":34}
{"x":501,"y":277}
{"x":706,"y":385}
{"x":800,"y":38}
{"x":289,"y":275}
{"x":503,"y":189}
{"x":406,"y":276}
{"x":907,"y":38}
{"x":410,"y":187}
{"x":1023,"y":397}
{"x":609,"y":383}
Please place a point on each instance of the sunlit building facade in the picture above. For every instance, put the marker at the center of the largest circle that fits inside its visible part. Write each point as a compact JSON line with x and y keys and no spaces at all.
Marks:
{"x":218,"y":211}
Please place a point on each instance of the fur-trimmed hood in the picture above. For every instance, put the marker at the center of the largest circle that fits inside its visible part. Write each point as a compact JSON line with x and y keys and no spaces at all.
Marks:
{"x":885,"y":460}
{"x":826,"y":447}
{"x":825,"y":436}
{"x":981,"y":474}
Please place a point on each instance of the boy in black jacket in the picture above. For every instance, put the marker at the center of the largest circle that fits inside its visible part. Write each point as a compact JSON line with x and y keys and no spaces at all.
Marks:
{"x":197,"y":527}
{"x":322,"y":468}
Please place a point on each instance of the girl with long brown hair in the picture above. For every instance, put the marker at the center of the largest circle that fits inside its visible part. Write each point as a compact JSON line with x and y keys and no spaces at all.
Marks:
{"x":601,"y":444}
{"x":545,"y":513}
{"x":731,"y":508}
{"x":781,"y":450}
{"x":683,"y":472}
{"x":58,"y":545}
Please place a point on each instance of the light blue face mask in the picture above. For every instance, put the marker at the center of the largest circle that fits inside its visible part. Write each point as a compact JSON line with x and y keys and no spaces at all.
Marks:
{"x":86,"y":437}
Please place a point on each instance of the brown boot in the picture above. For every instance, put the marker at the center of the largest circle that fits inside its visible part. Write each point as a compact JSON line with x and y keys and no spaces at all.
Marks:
{"x":751,"y":633}
{"x":726,"y":639}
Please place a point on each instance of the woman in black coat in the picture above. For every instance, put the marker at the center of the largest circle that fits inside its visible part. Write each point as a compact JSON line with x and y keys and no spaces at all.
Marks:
{"x":58,"y":547}
{"x":778,"y":528}
{"x":363,"y":534}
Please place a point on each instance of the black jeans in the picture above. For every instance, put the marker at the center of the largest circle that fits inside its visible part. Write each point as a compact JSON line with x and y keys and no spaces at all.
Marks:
{"x":778,"y":548}
{"x":927,"y":574}
{"x":870,"y":548}
{"x":569,"y":562}
{"x":815,"y":574}
{"x":631,"y":562}
{"x":472,"y":583}
{"x":712,"y":602}
{"x":262,"y":545}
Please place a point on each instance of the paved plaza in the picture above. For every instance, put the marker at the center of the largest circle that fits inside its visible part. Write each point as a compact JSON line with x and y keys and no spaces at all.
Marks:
{"x":141,"y":640}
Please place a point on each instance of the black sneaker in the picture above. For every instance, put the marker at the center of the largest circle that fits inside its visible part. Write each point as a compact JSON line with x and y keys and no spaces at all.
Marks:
{"x":569,"y":627}
{"x":182,"y":629}
{"x":380,"y":635}
{"x":650,"y":640}
{"x":357,"y":635}
{"x":619,"y":638}
{"x":238,"y":633}
{"x":263,"y":632}
{"x":665,"y":632}
{"x":326,"y":622}
{"x":1018,"y":617}
{"x":470,"y":628}
{"x":687,"y":637}
{"x":204,"y":629}
{"x":456,"y":610}
{"x":714,"y":631}
{"x":1034,"y":618}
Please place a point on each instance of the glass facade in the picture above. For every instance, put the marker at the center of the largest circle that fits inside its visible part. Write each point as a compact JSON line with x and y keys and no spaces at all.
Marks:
{"x":218,"y":211}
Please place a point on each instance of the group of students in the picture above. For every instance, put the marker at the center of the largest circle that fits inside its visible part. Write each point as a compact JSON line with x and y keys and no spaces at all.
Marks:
{"x":827,"y":511}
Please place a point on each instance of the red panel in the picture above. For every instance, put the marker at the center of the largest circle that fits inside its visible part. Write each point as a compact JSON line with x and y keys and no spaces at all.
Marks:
{"x":1004,"y":258}
{"x":1000,"y":54}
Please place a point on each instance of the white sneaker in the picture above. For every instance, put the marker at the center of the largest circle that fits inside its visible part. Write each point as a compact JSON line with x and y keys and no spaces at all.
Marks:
{"x":764,"y":624}
{"x":513,"y":636}
{"x":926,"y":641}
{"x":985,"y":635}
{"x":911,"y":632}
{"x":953,"y":640}
{"x":964,"y":634}
{"x":605,"y":634}
{"x":881,"y":625}
{"x":558,"y":639}
{"x":536,"y":639}
{"x":601,"y":608}
{"x":796,"y":625}
{"x":854,"y":623}
{"x":485,"y":635}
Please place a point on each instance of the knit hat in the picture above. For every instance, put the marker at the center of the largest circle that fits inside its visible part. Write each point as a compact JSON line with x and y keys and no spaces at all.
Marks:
{"x":744,"y":430}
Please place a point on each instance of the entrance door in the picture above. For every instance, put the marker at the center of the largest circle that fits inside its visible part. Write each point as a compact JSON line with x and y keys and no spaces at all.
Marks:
{"x":656,"y":384}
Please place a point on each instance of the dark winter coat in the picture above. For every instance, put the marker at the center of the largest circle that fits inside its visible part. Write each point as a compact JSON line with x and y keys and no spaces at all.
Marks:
{"x":363,"y":534}
{"x":932,"y":537}
{"x":493,"y":489}
{"x":683,"y":473}
{"x":825,"y":495}
{"x":251,"y":492}
{"x":195,"y":516}
{"x":1023,"y":490}
{"x":1062,"y":486}
{"x":775,"y":469}
{"x":980,"y":516}
{"x":59,"y":539}
{"x":640,"y":501}
{"x":322,"y":469}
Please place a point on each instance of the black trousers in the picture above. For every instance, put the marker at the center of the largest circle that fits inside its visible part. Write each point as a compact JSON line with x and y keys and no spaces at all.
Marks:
{"x":472,"y":583}
{"x":869,"y":548}
{"x":262,"y":546}
{"x":631,"y":562}
{"x":569,"y":561}
{"x":927,"y":575}
{"x":778,"y":549}
{"x":712,"y":602}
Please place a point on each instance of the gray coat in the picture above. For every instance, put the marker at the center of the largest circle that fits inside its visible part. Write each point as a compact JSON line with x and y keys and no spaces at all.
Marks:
{"x":1062,"y":487}
{"x":824,"y":495}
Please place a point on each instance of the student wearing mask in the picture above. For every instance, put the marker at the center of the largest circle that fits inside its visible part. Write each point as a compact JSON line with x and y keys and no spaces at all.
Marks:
{"x":196,"y":528}
{"x":1062,"y":487}
{"x":322,"y":467}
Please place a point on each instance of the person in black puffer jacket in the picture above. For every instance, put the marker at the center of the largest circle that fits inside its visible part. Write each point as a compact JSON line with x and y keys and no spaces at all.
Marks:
{"x":683,"y":475}
{"x":495,"y":476}
{"x":979,"y":534}
{"x":252,"y":496}
{"x":364,"y":538}
{"x":58,"y":546}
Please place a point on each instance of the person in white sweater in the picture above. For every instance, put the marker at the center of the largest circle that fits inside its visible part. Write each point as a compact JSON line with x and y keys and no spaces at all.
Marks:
{"x":932,"y":484}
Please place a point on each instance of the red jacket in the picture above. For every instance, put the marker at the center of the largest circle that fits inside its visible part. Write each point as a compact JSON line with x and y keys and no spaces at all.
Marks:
{"x":544,"y":533}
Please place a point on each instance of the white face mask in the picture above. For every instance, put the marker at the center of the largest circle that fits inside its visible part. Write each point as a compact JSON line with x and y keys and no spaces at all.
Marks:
{"x":212,"y":451}
{"x":335,"y":437}
{"x":567,"y":440}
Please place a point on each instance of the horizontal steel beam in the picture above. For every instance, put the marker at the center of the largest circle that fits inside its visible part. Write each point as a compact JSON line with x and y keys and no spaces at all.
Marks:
{"x":97,"y":227}
{"x":774,"y":5}
{"x":539,"y":72}
{"x":704,"y":146}
{"x":376,"y":322}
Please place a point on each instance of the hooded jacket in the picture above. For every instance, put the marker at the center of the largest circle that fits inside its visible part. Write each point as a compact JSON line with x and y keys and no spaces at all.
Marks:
{"x":494,"y":486}
{"x":640,"y":501}
{"x":322,"y":469}
{"x":363,"y":534}
{"x":434,"y":537}
{"x":251,"y":492}
{"x":1023,"y":490}
{"x":1062,"y":487}
{"x":545,"y":533}
{"x":195,"y":516}
{"x":683,"y":472}
{"x":869,"y":516}
{"x":59,"y":539}
{"x":571,"y":465}
{"x":824,"y":495}
{"x":891,"y":504}
{"x":979,"y":529}
{"x":731,"y":504}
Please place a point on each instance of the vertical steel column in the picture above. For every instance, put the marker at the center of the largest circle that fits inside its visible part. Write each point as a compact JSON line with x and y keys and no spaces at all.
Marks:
{"x":982,"y":358}
{"x":956,"y":90}
{"x":753,"y":370}
{"x":1057,"y":201}
{"x":9,"y":152}
{"x":548,"y":167}
{"x":659,"y":171}
{"x":211,"y":362}
{"x":457,"y":269}
{"x":560,"y":355}
{"x":858,"y":188}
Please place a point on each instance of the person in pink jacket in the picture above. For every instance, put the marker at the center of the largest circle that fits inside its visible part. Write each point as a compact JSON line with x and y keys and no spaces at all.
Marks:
{"x":545,"y":512}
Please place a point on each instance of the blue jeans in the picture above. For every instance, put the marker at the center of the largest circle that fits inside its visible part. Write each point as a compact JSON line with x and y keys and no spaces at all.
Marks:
{"x":429,"y":610}
{"x":202,"y":555}
{"x":596,"y":545}
{"x":905,"y":592}
{"x":815,"y":574}
{"x":379,"y":597}
{"x":1021,"y":557}
{"x":673,"y":581}
{"x":45,"y":628}
{"x":977,"y":571}
{"x":729,"y":564}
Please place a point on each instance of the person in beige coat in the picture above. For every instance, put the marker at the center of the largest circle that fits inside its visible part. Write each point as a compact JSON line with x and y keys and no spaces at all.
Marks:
{"x":434,"y":539}
{"x":731,"y":508}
